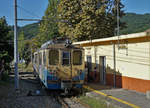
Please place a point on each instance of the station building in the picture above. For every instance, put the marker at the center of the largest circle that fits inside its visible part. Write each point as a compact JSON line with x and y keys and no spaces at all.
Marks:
{"x":121,"y":60}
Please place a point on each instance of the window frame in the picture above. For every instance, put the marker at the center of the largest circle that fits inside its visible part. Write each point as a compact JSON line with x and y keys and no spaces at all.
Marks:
{"x":44,"y":58}
{"x":50,"y":59}
{"x":81,"y":61}
{"x":40,"y":58}
{"x":66,"y":58}
{"x":35,"y":58}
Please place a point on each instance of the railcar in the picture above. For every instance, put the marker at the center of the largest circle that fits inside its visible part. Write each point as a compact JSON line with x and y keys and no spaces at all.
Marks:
{"x":60,"y":65}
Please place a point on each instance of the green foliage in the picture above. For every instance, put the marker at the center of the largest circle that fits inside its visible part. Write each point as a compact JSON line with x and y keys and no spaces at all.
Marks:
{"x":95,"y":103}
{"x":30,"y":30}
{"x":88,"y":19}
{"x":21,"y":43}
{"x":136,"y":23}
{"x":6,"y":48}
{"x":27,"y":52}
{"x":5,"y":76}
{"x":48,"y":26}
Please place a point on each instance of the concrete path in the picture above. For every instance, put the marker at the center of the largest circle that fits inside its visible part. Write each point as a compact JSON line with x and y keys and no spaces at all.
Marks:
{"x":120,"y":97}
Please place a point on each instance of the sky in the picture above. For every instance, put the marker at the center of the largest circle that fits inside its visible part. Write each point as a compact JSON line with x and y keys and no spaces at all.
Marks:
{"x":137,"y":6}
{"x":27,"y":9}
{"x":36,"y":8}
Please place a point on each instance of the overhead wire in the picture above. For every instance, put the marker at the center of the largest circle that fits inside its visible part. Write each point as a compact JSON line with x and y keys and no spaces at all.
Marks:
{"x":29,"y":12}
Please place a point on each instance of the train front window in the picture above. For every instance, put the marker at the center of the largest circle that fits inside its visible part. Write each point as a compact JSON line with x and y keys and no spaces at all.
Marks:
{"x":53,"y":57}
{"x":77,"y":57}
{"x":65,"y":58}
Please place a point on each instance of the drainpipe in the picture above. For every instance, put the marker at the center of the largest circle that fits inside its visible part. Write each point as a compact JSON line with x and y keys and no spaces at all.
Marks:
{"x":114,"y":62}
{"x":95,"y":54}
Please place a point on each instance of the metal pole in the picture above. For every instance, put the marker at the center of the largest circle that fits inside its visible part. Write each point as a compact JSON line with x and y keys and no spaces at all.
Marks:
{"x":16,"y":47}
{"x":118,"y":25}
{"x":114,"y":59}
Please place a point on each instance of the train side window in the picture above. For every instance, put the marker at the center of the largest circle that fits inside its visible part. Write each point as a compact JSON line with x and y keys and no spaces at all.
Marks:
{"x":53,"y":57}
{"x":40,"y":59}
{"x":35,"y":58}
{"x":65,"y":58}
{"x":44,"y":58}
{"x":77,"y":57}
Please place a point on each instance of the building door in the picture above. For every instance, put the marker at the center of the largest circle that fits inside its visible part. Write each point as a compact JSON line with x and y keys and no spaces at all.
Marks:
{"x":89,"y":66}
{"x":102,"y":69}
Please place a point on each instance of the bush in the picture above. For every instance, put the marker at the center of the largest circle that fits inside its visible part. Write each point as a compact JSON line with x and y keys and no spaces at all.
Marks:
{"x":5,"y":76}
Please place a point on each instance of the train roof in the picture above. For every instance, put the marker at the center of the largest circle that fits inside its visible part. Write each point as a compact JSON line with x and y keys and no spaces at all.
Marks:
{"x":65,"y":44}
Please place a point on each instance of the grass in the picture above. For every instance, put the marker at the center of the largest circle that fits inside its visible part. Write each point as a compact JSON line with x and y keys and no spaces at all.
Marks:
{"x":25,"y":68}
{"x":29,"y":68}
{"x":94,"y":103}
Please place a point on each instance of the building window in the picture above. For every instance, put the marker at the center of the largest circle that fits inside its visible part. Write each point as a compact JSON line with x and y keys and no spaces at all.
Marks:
{"x":65,"y":58}
{"x":77,"y":57}
{"x":53,"y":57}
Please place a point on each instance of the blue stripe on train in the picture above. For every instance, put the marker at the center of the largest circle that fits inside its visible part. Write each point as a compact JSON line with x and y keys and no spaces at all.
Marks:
{"x":58,"y":86}
{"x":52,"y":78}
{"x":53,"y":86}
{"x":78,"y":85}
{"x":80,"y":77}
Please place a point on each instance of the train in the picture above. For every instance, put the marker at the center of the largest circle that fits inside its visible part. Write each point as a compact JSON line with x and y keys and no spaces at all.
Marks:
{"x":60,"y":65}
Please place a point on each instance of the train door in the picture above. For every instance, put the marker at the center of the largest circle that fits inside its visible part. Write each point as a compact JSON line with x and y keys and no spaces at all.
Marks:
{"x":77,"y":64}
{"x":102,"y":69}
{"x":89,"y":66}
{"x":66,"y":64}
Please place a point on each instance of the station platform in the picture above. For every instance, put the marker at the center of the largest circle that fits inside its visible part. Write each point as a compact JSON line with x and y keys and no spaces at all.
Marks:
{"x":119,"y":97}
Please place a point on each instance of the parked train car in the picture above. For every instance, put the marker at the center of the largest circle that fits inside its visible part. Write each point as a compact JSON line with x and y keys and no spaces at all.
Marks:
{"x":60,"y":65}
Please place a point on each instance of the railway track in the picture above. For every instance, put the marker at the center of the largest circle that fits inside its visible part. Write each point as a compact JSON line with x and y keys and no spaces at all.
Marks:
{"x":65,"y":101}
{"x":50,"y":98}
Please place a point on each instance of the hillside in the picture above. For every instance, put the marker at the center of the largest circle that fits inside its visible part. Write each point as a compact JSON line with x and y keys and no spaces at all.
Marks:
{"x":135,"y":23}
{"x":30,"y":30}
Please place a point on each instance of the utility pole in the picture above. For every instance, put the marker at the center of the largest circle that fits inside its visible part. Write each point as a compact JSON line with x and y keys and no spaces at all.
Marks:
{"x":118,"y":20}
{"x":114,"y":60}
{"x":16,"y":47}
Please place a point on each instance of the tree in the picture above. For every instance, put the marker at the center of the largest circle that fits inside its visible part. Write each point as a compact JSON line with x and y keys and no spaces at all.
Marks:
{"x":48,"y":26}
{"x":21,"y":44}
{"x":88,"y":19}
{"x":27,"y":52}
{"x":6,"y":46}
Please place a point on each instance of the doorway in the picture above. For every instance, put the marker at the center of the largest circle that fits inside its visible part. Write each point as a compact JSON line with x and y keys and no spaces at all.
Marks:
{"x":102,"y":69}
{"x":89,"y":67}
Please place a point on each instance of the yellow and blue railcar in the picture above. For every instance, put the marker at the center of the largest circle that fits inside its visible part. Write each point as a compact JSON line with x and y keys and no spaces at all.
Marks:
{"x":60,"y":65}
